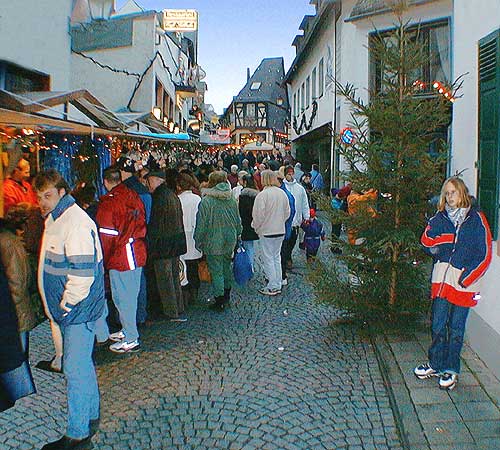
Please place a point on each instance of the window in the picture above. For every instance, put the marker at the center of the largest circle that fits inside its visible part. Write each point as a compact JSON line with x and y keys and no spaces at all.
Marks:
{"x":14,"y":78}
{"x":313,"y":80}
{"x":302,"y":97}
{"x":321,"y":78}
{"x":435,"y":38}
{"x":250,"y":109}
{"x":255,"y":85}
{"x":489,"y":129}
{"x":295,"y":105}
{"x":308,"y":92}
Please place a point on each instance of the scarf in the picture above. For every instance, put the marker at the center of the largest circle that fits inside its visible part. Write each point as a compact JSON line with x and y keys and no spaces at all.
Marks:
{"x":456,"y":215}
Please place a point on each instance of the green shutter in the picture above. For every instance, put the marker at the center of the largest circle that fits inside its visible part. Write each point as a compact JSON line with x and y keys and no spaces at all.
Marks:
{"x":489,"y":128}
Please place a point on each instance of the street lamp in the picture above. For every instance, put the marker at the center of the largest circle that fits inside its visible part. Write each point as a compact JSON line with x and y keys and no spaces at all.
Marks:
{"x":157,"y":112}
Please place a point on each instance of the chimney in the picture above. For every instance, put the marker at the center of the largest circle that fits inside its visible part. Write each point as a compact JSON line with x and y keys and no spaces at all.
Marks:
{"x":248,"y":73}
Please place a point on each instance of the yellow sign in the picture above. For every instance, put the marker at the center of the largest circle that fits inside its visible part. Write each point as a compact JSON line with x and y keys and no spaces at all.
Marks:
{"x":180,"y":20}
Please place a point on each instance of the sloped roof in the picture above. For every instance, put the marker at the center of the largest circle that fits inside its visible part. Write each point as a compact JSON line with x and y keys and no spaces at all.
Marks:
{"x":270,"y":74}
{"x":367,"y":8}
{"x":84,"y":101}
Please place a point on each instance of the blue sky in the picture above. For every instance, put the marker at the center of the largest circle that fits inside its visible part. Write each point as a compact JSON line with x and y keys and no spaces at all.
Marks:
{"x":236,"y":34}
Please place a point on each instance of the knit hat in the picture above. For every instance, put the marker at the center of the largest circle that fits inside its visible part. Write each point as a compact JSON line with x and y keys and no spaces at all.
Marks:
{"x":312,"y":213}
{"x":345,"y":191}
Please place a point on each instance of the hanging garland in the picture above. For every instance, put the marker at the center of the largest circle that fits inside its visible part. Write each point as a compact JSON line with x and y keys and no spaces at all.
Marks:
{"x":303,"y":121}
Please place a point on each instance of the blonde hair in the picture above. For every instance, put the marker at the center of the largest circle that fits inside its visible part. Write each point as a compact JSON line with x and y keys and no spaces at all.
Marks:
{"x":269,"y":178}
{"x":216,"y":177}
{"x":463,"y":192}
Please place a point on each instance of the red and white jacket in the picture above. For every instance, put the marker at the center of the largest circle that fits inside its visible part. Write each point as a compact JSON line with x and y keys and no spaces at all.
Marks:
{"x":461,"y":257}
{"x":122,"y":228}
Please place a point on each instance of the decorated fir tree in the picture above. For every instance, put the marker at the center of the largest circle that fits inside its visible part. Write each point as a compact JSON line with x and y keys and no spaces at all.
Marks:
{"x":380,"y":272}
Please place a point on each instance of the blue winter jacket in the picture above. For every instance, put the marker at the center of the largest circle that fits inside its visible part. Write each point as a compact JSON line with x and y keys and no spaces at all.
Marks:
{"x":460,"y":258}
{"x":71,"y":268}
{"x":291,"y":201}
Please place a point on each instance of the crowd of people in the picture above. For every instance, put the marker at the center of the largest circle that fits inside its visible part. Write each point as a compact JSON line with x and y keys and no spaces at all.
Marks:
{"x":108,"y":267}
{"x":104,"y":268}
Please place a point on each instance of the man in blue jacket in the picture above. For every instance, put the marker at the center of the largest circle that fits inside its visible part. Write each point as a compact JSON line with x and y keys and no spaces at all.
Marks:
{"x":288,"y":226}
{"x":71,"y":283}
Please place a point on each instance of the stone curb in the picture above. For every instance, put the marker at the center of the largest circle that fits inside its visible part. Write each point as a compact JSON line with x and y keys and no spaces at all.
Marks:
{"x":401,"y":403}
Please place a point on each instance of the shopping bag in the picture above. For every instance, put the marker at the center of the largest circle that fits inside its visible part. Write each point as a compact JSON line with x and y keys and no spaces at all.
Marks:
{"x":203,"y":272}
{"x":183,"y":272}
{"x":242,"y":267}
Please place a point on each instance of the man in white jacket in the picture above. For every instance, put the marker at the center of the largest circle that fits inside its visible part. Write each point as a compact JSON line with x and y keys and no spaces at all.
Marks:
{"x":301,"y":211}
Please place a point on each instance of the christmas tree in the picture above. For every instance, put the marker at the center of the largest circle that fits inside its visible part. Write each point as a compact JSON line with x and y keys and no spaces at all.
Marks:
{"x":380,"y":272}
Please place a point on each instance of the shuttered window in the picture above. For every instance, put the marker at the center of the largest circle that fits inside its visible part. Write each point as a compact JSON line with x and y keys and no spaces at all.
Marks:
{"x":489,"y":129}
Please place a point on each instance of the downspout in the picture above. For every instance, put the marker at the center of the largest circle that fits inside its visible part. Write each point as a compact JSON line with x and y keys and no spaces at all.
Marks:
{"x":333,"y":169}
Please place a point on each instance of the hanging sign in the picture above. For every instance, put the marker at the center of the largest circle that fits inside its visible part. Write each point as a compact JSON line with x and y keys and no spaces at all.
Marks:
{"x":347,"y":136}
{"x":180,"y":20}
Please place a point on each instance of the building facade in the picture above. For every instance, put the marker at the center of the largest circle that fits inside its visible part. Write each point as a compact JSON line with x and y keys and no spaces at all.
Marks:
{"x":134,"y":64}
{"x":310,"y":79}
{"x":260,"y":111}
{"x":463,"y":40}
{"x":475,"y":148}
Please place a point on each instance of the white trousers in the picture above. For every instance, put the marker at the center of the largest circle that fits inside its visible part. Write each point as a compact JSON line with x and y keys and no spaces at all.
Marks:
{"x":271,"y":259}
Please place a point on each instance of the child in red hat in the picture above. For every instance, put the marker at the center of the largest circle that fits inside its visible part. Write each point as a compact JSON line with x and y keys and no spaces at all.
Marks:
{"x":313,"y":235}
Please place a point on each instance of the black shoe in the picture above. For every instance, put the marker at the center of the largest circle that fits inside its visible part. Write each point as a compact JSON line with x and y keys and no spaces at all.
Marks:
{"x":67,"y":443}
{"x":218,"y":304}
{"x":94,"y":426}
{"x":47,"y":366}
{"x":227,"y":295}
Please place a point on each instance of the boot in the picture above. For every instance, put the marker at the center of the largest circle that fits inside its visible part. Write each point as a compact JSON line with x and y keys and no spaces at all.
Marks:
{"x":227,"y":296}
{"x":218,"y":304}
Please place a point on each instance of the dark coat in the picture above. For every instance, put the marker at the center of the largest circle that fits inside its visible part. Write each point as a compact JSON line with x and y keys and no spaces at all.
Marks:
{"x":16,"y":380}
{"x":166,"y":228}
{"x":245,"y":205}
{"x":18,"y":272}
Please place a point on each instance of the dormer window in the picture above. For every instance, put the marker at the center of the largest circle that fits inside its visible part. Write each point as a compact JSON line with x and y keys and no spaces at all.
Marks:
{"x":279,"y":101}
{"x":255,"y":85}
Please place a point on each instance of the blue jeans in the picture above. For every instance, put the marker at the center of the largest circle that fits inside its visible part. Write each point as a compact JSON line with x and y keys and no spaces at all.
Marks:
{"x":125,"y":288}
{"x":83,"y":391}
{"x":249,"y":248}
{"x":142,"y":300}
{"x":448,"y":328}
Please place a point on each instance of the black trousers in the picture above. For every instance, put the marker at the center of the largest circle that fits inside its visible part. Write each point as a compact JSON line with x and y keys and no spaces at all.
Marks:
{"x":286,"y":250}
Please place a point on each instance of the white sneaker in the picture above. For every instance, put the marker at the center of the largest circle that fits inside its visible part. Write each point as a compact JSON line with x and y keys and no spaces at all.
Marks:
{"x":117,"y":337}
{"x":284,"y":282}
{"x":125,"y":347}
{"x":270,"y":292}
{"x":448,"y":381}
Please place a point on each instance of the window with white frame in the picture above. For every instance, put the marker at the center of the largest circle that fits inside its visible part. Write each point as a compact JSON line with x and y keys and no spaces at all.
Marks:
{"x":308,"y":92}
{"x":313,"y":84}
{"x":302,"y":97}
{"x":321,"y":78}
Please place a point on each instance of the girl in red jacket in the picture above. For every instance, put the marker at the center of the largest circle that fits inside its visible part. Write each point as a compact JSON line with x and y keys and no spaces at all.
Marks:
{"x":459,"y":239}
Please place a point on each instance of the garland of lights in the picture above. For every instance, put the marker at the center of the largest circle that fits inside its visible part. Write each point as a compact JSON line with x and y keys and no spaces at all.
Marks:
{"x":303,"y":121}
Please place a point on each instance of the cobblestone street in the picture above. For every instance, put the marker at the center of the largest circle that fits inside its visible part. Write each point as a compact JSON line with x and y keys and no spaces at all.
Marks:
{"x":268,"y":373}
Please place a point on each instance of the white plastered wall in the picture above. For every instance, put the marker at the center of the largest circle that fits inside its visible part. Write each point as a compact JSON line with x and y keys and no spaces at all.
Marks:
{"x":35,"y":34}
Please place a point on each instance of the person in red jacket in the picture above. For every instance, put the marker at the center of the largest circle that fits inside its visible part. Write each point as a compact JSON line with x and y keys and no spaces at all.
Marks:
{"x":17,"y":189}
{"x":122,"y":228}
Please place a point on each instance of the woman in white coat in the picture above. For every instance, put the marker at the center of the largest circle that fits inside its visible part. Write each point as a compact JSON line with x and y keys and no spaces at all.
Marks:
{"x":191,"y":258}
{"x":270,"y":211}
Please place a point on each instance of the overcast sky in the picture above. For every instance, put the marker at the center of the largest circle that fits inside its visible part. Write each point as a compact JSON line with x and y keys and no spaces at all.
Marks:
{"x":236,"y":34}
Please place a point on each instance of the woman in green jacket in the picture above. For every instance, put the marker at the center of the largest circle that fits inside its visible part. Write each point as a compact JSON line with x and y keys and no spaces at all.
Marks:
{"x":218,"y":226}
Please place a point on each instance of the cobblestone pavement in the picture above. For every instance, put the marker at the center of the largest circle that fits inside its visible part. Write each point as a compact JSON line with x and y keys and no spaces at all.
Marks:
{"x":268,"y":373}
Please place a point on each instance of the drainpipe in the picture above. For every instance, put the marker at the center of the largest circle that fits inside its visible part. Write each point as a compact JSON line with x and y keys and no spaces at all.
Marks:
{"x":333,"y":168}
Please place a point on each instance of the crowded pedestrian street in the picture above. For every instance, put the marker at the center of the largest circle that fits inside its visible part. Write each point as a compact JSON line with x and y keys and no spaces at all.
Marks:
{"x":267,"y":373}
{"x":253,"y":225}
